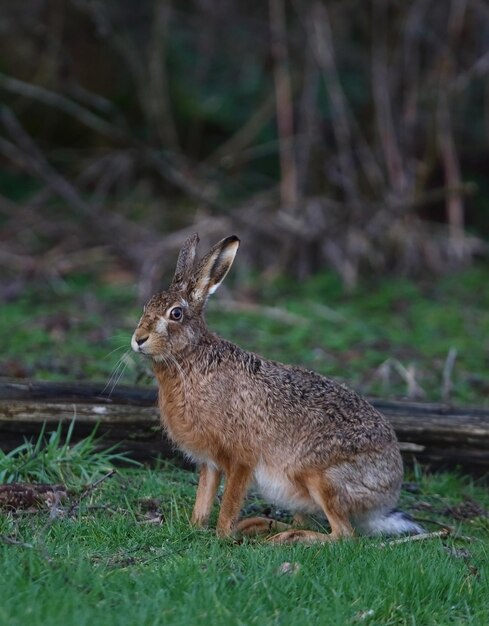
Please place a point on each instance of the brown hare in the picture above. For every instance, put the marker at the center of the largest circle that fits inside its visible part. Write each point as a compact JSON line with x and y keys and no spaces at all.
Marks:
{"x":309,"y":443}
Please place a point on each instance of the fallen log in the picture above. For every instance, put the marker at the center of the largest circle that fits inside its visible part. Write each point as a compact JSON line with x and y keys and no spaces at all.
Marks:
{"x":436,"y":434}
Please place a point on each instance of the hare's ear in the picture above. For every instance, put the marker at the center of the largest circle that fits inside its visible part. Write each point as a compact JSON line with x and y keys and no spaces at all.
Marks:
{"x":186,"y":261}
{"x":213,"y":268}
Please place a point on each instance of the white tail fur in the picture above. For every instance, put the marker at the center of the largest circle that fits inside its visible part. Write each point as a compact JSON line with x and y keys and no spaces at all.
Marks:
{"x":381,"y":523}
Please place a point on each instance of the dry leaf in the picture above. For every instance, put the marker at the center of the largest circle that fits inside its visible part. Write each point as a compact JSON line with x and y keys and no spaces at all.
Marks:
{"x":289,"y":569}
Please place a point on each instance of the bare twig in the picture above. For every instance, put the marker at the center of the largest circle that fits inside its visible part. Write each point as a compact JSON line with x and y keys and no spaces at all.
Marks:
{"x":307,"y":120}
{"x":384,"y":373}
{"x":479,"y":69}
{"x":408,"y":374}
{"x":430,"y":196}
{"x":62,"y":103}
{"x":323,"y":39}
{"x":451,"y":165}
{"x":326,"y":312}
{"x":227,"y":152}
{"x":437,"y":534}
{"x":283,"y":91}
{"x":88,"y":490}
{"x":19,"y":262}
{"x":182,"y":177}
{"x":447,"y":374}
{"x":381,"y":85}
{"x":446,"y":142}
{"x":411,"y":69}
{"x":160,"y":111}
{"x":27,"y":155}
{"x":32,"y":158}
{"x":89,"y":98}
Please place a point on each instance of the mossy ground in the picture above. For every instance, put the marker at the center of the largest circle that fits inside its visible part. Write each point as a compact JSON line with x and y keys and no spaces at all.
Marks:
{"x":79,"y":328}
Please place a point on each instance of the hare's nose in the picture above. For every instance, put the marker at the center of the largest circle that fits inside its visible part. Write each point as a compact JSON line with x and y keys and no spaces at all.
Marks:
{"x":141,"y":340}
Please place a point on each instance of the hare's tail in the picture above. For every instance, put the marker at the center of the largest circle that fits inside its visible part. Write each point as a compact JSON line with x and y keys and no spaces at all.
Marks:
{"x":393,"y":523}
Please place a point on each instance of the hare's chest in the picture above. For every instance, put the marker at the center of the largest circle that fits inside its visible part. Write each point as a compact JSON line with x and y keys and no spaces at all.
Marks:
{"x":185,"y":422}
{"x":173,"y":410}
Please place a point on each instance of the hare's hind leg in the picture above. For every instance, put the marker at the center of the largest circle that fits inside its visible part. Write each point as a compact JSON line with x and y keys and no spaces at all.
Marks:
{"x":253,"y":526}
{"x":209,"y":479}
{"x":329,"y":500}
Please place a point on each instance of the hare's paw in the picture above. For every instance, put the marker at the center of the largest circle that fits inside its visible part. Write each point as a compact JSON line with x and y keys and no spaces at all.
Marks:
{"x":299,"y":536}
{"x":259,"y":526}
{"x":199,"y":521}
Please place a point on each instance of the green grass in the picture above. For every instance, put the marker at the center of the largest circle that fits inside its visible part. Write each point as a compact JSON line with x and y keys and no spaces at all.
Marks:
{"x":68,"y":330}
{"x":53,"y":458}
{"x":108,"y":565}
{"x":79,"y":328}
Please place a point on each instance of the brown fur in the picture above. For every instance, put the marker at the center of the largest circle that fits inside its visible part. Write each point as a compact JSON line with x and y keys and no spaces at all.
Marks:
{"x":309,"y":442}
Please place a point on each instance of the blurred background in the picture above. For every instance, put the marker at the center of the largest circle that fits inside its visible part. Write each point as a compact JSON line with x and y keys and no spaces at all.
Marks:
{"x":345,"y":137}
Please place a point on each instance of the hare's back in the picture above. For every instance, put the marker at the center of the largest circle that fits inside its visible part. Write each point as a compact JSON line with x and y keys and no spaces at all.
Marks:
{"x":314,"y":402}
{"x":291,"y":403}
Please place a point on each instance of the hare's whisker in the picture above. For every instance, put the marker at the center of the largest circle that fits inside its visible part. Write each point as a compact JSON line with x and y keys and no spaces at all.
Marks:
{"x":115,"y":350}
{"x":115,"y":375}
{"x":117,"y":380}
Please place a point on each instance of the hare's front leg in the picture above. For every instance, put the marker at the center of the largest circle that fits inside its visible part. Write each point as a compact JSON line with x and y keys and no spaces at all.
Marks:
{"x":209,"y":479}
{"x":237,"y":481}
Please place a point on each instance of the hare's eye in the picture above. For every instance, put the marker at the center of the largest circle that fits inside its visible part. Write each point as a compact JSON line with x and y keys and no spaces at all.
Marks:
{"x":176,"y":313}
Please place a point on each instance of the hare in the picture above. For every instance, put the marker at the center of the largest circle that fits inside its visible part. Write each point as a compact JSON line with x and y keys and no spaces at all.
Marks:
{"x":310,"y":444}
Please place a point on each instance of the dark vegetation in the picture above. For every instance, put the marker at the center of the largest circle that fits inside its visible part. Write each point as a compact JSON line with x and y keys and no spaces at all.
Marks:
{"x":344,"y":134}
